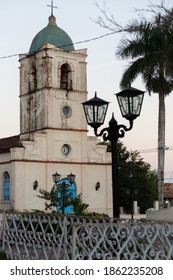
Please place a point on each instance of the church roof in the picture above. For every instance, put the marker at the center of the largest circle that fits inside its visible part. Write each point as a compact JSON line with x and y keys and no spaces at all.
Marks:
{"x":52,"y":34}
{"x":168,"y":190}
{"x":9,"y":142}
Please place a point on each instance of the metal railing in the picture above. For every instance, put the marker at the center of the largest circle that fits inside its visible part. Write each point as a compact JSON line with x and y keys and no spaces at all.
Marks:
{"x":47,"y":236}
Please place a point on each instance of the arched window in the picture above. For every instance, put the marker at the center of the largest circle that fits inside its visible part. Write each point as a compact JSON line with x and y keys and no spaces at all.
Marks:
{"x":65,"y":191}
{"x":6,"y":186}
{"x":66,"y":77}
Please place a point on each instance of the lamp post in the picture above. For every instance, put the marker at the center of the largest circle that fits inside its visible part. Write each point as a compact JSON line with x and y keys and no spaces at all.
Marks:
{"x":130,"y":103}
{"x":56,"y":178}
{"x":132,"y":193}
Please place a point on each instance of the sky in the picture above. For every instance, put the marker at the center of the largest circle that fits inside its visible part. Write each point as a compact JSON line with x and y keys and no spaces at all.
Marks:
{"x":21,"y":20}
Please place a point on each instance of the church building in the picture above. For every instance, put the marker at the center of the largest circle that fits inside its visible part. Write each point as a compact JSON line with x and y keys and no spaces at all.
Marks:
{"x":53,"y":129}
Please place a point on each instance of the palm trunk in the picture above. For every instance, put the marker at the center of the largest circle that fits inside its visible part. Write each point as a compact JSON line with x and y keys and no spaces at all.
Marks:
{"x":161,"y":149}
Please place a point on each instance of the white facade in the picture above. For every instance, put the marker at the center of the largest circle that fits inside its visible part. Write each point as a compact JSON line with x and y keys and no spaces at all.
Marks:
{"x":53,"y":133}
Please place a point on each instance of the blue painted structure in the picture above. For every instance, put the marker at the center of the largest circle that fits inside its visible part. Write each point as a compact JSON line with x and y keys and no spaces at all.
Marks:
{"x":72,"y":192}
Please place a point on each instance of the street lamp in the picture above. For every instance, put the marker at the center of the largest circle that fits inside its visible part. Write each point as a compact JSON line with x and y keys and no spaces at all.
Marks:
{"x":130,"y":103}
{"x":56,"y":177}
{"x":63,"y":186}
{"x":71,"y":177}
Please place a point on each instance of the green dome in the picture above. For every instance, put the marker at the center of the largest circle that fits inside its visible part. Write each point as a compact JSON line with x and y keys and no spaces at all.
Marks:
{"x":54,"y":35}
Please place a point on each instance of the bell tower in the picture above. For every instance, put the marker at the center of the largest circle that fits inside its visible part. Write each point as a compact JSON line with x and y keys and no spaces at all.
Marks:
{"x":52,"y":83}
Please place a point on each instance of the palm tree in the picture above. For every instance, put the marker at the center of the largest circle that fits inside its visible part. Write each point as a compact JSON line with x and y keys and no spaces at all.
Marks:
{"x":150,"y":49}
{"x":149,"y":45}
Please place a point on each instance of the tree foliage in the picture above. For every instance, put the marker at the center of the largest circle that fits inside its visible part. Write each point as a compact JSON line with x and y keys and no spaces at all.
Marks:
{"x":147,"y":45}
{"x":135,"y":174}
{"x":79,"y":207}
{"x":63,"y":199}
{"x":49,"y":197}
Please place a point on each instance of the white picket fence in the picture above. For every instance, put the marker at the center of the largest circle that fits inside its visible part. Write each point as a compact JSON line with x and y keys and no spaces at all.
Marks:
{"x":47,"y":236}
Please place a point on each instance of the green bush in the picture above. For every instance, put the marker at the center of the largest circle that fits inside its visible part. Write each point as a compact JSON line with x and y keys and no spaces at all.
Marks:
{"x":3,"y":255}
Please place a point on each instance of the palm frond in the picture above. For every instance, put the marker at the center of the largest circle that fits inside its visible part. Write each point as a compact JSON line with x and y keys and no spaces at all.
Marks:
{"x":131,"y":72}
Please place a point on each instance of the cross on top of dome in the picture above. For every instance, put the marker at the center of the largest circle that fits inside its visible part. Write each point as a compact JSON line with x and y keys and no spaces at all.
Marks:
{"x":51,"y":34}
{"x":52,"y":7}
